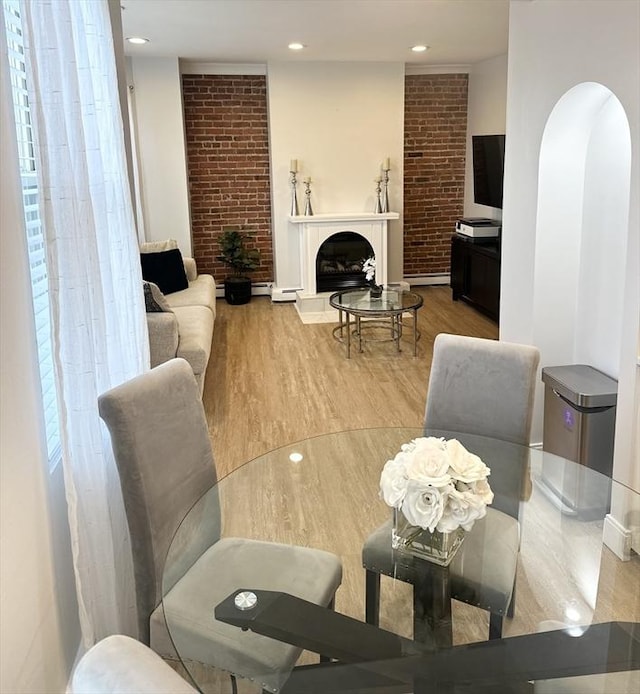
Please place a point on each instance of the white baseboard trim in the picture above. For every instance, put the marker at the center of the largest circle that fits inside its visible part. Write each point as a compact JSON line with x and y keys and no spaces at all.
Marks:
{"x":289,"y":293}
{"x":423,"y":280}
{"x":261,"y":289}
{"x":257,"y":289}
{"x":284,"y":293}
{"x":617,"y":538}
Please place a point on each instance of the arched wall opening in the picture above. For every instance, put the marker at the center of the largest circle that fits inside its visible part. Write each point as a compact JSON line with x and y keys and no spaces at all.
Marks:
{"x":582,"y":240}
{"x":582,"y":231}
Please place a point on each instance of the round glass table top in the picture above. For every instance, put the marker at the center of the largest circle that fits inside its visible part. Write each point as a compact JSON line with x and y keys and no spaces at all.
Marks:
{"x":324,"y":493}
{"x":360,"y":301}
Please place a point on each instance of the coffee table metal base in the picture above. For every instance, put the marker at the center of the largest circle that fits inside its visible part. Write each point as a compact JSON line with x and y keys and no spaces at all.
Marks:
{"x":374,"y":324}
{"x":351,"y":328}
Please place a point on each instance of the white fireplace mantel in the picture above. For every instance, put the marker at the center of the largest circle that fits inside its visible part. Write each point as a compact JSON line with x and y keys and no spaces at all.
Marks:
{"x":343,"y":217}
{"x":314,"y":230}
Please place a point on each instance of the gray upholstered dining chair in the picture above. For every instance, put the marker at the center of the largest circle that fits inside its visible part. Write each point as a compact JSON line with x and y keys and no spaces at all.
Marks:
{"x":485,"y":388}
{"x":165,"y":463}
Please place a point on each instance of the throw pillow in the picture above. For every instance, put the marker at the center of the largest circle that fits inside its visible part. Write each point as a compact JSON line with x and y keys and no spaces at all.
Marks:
{"x":154,"y":300}
{"x":165,"y":269}
{"x":158,"y":246}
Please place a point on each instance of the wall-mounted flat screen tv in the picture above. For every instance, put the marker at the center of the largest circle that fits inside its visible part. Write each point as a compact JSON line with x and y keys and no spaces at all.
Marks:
{"x":488,"y":169}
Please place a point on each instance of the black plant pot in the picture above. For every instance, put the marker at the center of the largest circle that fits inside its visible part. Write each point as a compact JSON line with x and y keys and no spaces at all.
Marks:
{"x":237,"y":290}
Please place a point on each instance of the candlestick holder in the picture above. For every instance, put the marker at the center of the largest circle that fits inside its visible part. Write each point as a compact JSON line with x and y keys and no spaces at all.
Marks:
{"x":308,"y":211}
{"x":384,"y":204}
{"x":294,"y":195}
{"x":378,"y":196}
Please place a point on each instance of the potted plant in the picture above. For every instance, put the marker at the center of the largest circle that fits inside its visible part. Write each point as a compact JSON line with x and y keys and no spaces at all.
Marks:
{"x":241,"y":260}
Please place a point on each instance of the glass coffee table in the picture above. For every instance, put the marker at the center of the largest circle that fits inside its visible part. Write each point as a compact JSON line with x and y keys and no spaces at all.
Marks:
{"x":380,"y":318}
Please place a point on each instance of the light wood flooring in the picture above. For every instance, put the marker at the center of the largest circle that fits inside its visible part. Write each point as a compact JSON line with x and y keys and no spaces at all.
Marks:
{"x":273,"y":380}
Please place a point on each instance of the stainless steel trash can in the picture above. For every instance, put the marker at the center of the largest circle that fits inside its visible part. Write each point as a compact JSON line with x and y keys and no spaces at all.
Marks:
{"x":579,"y":423}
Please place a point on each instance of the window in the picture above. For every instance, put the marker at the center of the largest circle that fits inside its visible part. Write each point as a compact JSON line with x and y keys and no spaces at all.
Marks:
{"x":35,"y":236}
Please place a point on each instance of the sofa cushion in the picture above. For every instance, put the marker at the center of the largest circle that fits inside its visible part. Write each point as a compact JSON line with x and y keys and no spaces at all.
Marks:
{"x":158,"y":246}
{"x":154,"y":300}
{"x":195,"y":332}
{"x":190,"y":268}
{"x":201,"y":292}
{"x":165,"y":269}
{"x":163,"y":336}
{"x":186,"y":329}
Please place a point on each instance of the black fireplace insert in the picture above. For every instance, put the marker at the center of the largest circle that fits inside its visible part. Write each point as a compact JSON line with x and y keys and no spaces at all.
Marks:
{"x":339,"y":262}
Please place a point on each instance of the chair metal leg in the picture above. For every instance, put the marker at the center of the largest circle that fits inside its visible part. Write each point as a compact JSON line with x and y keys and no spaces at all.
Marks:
{"x":496,"y":621}
{"x":330,"y":606}
{"x":511,"y":610}
{"x":234,"y":684}
{"x":372,"y":598}
{"x":495,"y":626}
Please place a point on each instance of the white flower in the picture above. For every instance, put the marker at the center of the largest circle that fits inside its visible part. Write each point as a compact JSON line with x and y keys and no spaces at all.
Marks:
{"x":429,"y":462}
{"x":393,"y":481}
{"x":438,"y":484}
{"x":483,"y":491}
{"x":466,"y":466}
{"x":424,"y":506}
{"x":369,"y":268}
{"x":461,"y":509}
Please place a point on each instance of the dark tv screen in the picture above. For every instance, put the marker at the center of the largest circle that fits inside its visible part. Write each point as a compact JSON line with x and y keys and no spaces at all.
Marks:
{"x":488,"y":169}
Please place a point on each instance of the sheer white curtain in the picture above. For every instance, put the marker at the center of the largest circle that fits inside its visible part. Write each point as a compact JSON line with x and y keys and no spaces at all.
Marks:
{"x":99,"y":329}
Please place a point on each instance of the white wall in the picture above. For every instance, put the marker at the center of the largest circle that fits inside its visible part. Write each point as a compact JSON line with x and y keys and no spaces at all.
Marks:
{"x":582,"y":229}
{"x":593,"y":42}
{"x":486,"y":115}
{"x":605,"y":216}
{"x":39,"y":630}
{"x":157,"y":100}
{"x":340,"y":120}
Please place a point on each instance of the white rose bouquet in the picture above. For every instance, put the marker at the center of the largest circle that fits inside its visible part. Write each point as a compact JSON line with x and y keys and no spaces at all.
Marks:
{"x":437,"y":484}
{"x":369,"y":269}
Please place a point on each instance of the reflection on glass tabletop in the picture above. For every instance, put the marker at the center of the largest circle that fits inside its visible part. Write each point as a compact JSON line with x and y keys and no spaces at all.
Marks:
{"x":324,"y":493}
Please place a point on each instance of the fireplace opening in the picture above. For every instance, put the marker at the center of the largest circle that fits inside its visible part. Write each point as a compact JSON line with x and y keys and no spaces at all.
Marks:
{"x":339,"y":262}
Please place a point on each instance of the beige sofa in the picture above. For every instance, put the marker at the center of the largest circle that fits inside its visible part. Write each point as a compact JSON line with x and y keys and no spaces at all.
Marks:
{"x":185,"y":328}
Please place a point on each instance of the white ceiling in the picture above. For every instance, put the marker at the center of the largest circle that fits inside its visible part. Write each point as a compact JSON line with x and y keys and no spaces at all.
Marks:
{"x":459,"y":32}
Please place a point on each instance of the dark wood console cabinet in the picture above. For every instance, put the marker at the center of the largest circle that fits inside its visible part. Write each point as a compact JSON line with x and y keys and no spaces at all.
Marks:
{"x":475,"y":273}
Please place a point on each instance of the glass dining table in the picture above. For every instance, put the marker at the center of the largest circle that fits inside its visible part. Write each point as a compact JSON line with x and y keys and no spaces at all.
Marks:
{"x":576,"y":606}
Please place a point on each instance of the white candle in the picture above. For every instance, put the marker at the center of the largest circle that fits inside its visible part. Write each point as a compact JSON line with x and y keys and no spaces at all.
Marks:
{"x":385,"y":164}
{"x":293,"y":167}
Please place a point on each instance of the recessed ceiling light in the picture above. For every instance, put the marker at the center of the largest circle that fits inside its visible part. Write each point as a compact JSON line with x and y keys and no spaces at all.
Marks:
{"x":137,"y":40}
{"x":421,"y":48}
{"x":296,"y":46}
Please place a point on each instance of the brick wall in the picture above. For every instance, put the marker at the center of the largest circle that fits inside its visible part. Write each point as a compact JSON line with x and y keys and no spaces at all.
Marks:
{"x":434,"y":164}
{"x":228,"y":166}
{"x":227,"y":145}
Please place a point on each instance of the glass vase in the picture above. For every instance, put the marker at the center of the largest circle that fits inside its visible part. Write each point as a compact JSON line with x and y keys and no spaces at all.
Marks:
{"x":375,"y":290}
{"x":437,"y":547}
